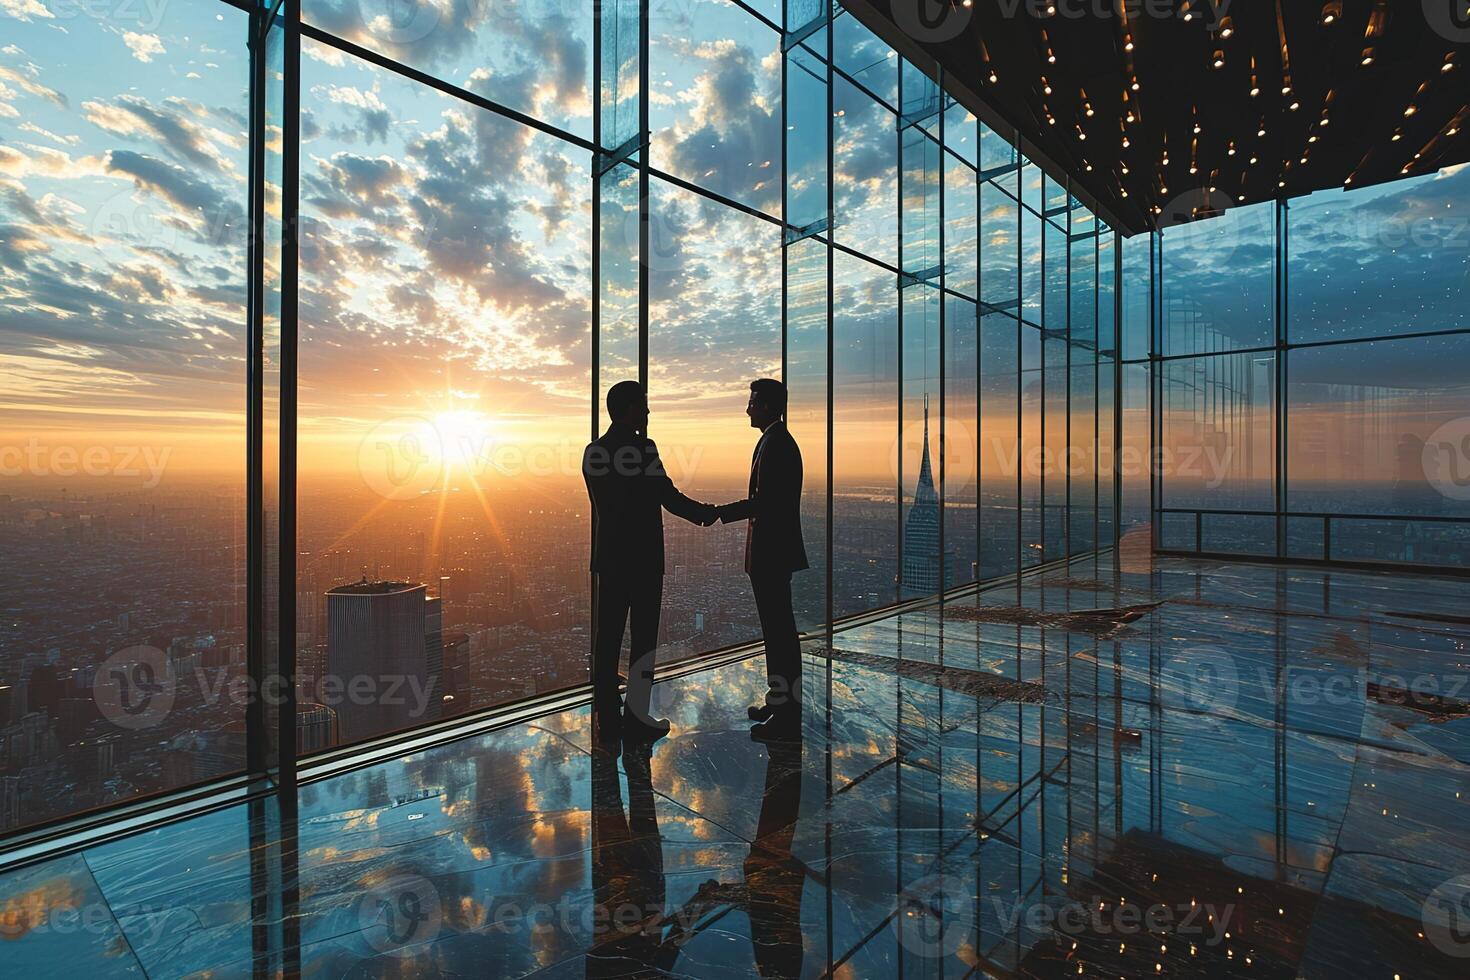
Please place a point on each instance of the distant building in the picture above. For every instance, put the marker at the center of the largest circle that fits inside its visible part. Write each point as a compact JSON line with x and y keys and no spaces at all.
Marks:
{"x":384,"y":657}
{"x":316,"y":728}
{"x":920,"y":576}
{"x":10,"y":790}
{"x":434,"y":654}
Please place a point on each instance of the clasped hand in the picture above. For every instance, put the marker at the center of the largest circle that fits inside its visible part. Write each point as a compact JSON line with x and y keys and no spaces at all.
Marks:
{"x":710,"y":513}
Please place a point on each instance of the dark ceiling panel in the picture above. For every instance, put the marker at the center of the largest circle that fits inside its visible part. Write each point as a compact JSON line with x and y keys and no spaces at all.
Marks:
{"x":1235,"y":102}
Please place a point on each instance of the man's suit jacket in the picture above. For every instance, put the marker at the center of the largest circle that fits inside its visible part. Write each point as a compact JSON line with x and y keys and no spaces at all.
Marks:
{"x":773,"y":543}
{"x":629,"y":490}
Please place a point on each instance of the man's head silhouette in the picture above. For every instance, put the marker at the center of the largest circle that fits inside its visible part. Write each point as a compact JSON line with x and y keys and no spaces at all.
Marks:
{"x":767,"y":402}
{"x":627,"y":404}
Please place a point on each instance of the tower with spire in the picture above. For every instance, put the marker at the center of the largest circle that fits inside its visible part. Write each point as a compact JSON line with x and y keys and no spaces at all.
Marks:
{"x":921,"y":565}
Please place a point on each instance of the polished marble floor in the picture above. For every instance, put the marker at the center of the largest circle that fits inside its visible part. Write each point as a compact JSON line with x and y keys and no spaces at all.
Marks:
{"x":1184,"y":768}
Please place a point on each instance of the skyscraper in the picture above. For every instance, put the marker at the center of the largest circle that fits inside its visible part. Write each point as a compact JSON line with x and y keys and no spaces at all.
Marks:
{"x":921,"y":530}
{"x":377,"y":661}
{"x":434,"y":653}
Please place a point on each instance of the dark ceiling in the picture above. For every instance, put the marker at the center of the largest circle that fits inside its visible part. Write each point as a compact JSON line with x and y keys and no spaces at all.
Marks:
{"x":1346,"y":92}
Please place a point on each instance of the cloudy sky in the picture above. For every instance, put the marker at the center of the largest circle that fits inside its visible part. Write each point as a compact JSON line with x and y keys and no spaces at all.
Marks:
{"x":122,"y":250}
{"x":446,"y":260}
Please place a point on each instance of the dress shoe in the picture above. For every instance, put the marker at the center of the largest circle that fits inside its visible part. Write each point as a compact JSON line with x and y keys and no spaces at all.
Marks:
{"x":782,"y":726}
{"x":637,"y":729}
{"x":759,"y":712}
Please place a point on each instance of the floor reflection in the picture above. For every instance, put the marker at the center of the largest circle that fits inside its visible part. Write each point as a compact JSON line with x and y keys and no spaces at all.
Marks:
{"x":1198,"y":769}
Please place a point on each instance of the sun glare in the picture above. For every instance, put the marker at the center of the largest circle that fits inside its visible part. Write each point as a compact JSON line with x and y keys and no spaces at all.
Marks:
{"x":466,"y":439}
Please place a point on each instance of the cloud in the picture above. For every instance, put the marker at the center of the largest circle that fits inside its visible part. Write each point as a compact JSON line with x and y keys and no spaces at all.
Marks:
{"x":353,"y":186}
{"x":143,"y":46}
{"x":374,"y":119}
{"x":30,"y":127}
{"x":206,"y":213}
{"x":26,"y":80}
{"x":25,"y":9}
{"x":28,"y":159}
{"x":728,"y":139}
{"x":174,"y":127}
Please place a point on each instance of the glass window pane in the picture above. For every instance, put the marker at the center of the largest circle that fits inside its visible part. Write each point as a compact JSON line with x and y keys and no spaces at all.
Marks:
{"x":1082,"y":313}
{"x":999,"y":449}
{"x":714,"y":326}
{"x":1054,"y":264}
{"x":1032,"y":179}
{"x":865,"y":178}
{"x":1238,"y":534}
{"x":864,"y":434}
{"x":996,"y":151}
{"x":858,"y":52}
{"x":1032,"y":454}
{"x":618,"y":102}
{"x":1218,"y":432}
{"x":919,"y":450}
{"x":1389,"y":259}
{"x":1031,"y":266}
{"x":1137,"y":283}
{"x":1219,"y":281}
{"x":715,"y":111}
{"x":122,"y":350}
{"x":806,"y":416}
{"x":920,"y":99}
{"x":1134,"y":461}
{"x":806,"y":139}
{"x":919,"y":214}
{"x":1388,"y":540}
{"x":1000,"y":241}
{"x":445,"y":369}
{"x":617,"y":343}
{"x":1054,"y":378}
{"x":961,"y":241}
{"x":534,"y":56}
{"x":960,"y":134}
{"x":961,"y":439}
{"x":1376,"y":427}
{"x":799,"y":13}
{"x":1079,"y":463}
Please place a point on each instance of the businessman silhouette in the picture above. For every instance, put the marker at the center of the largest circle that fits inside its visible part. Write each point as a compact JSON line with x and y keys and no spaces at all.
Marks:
{"x":773,"y":551}
{"x":629,"y":491}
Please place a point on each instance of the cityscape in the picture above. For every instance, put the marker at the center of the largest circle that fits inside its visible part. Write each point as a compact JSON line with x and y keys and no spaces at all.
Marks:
{"x":500,"y":615}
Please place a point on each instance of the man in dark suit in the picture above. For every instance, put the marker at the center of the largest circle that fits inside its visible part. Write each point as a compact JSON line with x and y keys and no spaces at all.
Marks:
{"x":773,"y":551}
{"x":629,"y":490}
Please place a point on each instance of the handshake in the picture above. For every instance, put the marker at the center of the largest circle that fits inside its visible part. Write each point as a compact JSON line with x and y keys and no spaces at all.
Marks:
{"x":708,"y":514}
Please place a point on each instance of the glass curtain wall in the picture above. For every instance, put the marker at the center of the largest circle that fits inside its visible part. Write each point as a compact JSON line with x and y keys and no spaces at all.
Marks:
{"x":309,"y":310}
{"x":1308,"y":404}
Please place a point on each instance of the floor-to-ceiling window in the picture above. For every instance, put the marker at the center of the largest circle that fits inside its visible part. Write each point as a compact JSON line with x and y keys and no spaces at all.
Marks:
{"x":309,"y":308}
{"x":1307,"y":403}
{"x":123,"y":244}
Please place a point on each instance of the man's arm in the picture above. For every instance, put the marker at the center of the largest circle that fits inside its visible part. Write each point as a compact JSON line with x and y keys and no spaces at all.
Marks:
{"x":772,"y":475}
{"x":673,"y":500}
